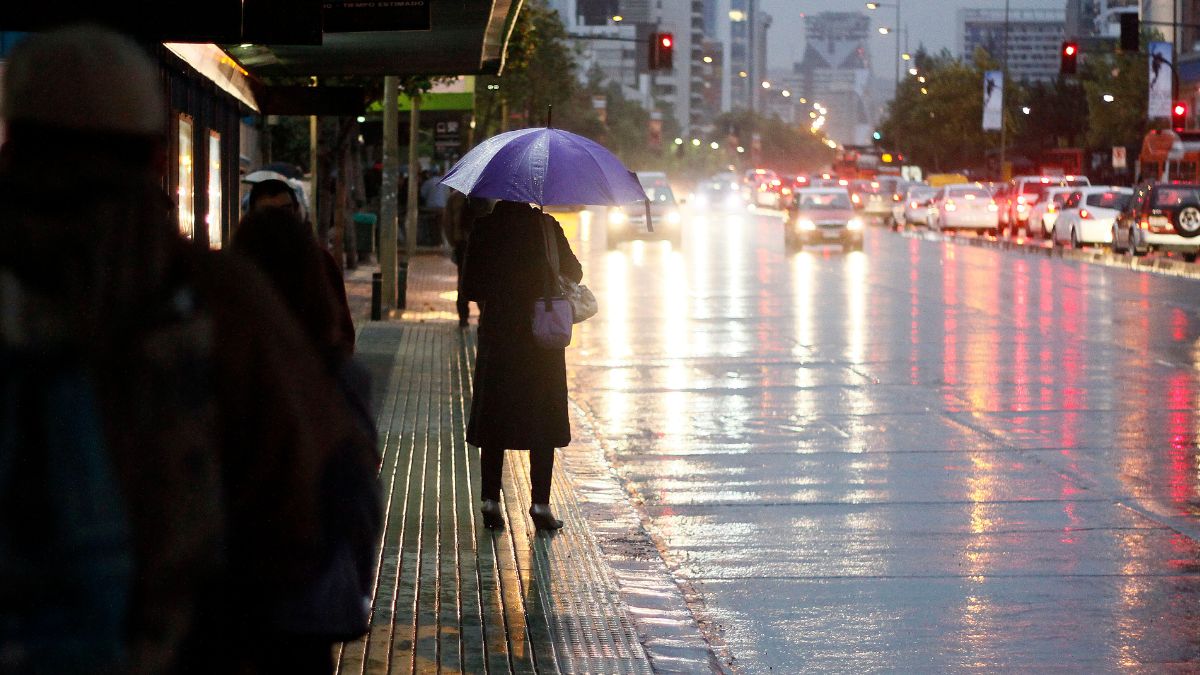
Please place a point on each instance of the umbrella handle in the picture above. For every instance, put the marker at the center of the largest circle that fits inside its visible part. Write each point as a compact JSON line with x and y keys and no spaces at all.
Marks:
{"x":649,"y":222}
{"x":549,"y":116}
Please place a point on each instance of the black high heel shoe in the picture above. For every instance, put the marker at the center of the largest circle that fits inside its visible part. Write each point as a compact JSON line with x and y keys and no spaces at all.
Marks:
{"x":543,"y":518}
{"x":493,"y":518}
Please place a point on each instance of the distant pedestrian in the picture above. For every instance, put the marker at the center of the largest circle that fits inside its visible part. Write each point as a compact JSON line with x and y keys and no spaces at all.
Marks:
{"x":167,"y":371}
{"x":520,"y":390}
{"x":433,"y":197}
{"x":276,"y":193}
{"x":457,"y":219}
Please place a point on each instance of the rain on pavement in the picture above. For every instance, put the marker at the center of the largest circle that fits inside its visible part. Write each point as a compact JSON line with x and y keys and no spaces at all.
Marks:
{"x":923,"y":457}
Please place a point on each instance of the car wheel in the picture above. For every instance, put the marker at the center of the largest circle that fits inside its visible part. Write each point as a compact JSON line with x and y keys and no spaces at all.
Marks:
{"x":1075,"y":243}
{"x":1116,"y":247}
{"x":1133,"y":247}
{"x":1187,"y":222}
{"x":1189,"y":257}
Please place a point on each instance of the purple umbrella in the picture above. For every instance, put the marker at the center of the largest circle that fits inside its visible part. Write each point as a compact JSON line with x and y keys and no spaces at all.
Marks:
{"x":544,"y":166}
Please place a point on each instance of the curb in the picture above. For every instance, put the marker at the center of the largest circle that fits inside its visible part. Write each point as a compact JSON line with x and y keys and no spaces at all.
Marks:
{"x":1096,"y":256}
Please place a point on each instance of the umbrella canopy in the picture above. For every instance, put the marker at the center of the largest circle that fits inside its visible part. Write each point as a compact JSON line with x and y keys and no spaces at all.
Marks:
{"x":547,"y":167}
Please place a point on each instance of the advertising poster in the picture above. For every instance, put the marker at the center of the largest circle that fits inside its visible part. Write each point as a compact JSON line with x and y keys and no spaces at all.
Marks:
{"x":993,"y":99}
{"x":1160,"y":80}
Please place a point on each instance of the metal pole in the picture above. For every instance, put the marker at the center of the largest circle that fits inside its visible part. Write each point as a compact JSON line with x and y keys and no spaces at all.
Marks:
{"x":411,"y":217}
{"x":897,"y":46}
{"x":1003,"y":94}
{"x":389,"y":193}
{"x":315,"y":180}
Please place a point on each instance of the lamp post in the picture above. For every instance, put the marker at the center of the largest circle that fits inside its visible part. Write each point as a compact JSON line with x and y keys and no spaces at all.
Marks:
{"x":877,"y":5}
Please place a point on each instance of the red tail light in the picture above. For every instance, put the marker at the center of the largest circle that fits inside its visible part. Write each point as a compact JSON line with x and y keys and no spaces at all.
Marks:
{"x":855,"y":198}
{"x":1083,"y":214}
{"x":912,"y":205}
{"x":1145,"y":224}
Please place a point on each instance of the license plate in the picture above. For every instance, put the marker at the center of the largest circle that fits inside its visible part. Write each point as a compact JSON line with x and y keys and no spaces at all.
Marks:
{"x":1158,"y":221}
{"x":832,"y":235}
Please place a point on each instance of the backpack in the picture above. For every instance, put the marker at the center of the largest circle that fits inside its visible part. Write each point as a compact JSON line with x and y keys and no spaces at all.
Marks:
{"x":66,"y":555}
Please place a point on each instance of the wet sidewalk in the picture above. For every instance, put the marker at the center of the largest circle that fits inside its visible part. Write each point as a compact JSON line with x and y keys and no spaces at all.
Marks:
{"x":451,"y":595}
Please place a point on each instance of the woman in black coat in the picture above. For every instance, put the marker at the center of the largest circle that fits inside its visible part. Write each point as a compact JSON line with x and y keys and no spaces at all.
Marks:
{"x":520,"y":393}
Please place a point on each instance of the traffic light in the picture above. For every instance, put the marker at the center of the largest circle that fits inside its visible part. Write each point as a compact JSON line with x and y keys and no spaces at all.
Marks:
{"x":1066,"y":64}
{"x":1130,"y":39}
{"x":1179,"y":116}
{"x":662,"y":49}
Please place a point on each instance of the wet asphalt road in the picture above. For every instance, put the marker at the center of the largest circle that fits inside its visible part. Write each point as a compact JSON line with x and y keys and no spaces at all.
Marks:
{"x":925,"y":457}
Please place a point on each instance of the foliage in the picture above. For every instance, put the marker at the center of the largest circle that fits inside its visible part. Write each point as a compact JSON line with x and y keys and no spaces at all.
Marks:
{"x":941,"y":129}
{"x":1126,"y":78}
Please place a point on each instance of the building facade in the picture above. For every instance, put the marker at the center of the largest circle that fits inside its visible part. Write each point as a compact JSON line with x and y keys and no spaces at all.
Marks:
{"x":1034,"y":39}
{"x":835,"y":74}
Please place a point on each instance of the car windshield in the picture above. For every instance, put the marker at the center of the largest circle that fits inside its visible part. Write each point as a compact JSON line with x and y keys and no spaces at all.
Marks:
{"x":921,"y":193}
{"x":970,"y":193}
{"x":1108,"y":200}
{"x":825,"y":201}
{"x":1176,"y":195}
{"x":1036,"y":188}
{"x":657,"y":190}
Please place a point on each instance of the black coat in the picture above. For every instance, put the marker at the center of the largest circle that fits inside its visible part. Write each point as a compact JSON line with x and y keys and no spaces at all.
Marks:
{"x":520,"y":394}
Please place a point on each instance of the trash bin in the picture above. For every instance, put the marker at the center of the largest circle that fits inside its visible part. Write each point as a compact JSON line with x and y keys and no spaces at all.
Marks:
{"x":364,"y":233}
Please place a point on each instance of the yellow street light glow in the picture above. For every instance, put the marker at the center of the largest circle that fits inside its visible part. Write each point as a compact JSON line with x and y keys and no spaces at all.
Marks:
{"x":913,"y":71}
{"x":924,"y":90}
{"x":714,"y":145}
{"x":696,"y":142}
{"x":813,"y":114}
{"x":803,"y":100}
{"x":831,"y":143}
{"x":786,"y":93}
{"x":708,"y":59}
{"x":884,"y":30}
{"x":906,"y":56}
{"x":737,"y":15}
{"x":766,"y":85}
{"x":618,"y":18}
{"x":872,"y":5}
{"x":742,"y":73}
{"x":741,"y":149}
{"x":678,"y":141}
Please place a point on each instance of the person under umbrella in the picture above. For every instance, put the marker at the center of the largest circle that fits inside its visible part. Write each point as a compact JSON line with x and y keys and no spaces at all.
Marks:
{"x":520,"y":388}
{"x":520,"y":392}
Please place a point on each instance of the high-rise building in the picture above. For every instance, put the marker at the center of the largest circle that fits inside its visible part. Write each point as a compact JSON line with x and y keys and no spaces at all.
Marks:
{"x":612,"y":40}
{"x":1034,"y":39}
{"x":835,"y":74}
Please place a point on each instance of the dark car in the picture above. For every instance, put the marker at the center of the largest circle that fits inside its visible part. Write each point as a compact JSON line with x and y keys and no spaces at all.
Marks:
{"x":823,"y":216}
{"x":1162,"y":217}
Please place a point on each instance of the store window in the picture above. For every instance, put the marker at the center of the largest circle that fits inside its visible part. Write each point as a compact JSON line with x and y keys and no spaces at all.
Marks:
{"x":215,"y":207}
{"x":187,"y":179}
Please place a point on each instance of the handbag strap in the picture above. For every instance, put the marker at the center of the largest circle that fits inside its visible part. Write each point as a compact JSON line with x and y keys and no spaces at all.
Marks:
{"x":551,"y":246}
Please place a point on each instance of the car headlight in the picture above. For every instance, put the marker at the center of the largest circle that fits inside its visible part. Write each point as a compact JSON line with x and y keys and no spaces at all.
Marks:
{"x":854,"y":224}
{"x":673,"y":217}
{"x":733,"y":186}
{"x":806,"y":224}
{"x":617,"y":217}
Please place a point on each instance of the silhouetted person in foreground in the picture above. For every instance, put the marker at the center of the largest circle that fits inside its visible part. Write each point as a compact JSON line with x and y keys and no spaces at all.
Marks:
{"x":200,"y":423}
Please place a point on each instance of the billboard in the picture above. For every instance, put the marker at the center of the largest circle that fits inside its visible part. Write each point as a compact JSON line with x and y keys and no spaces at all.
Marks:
{"x":1161,"y":76}
{"x":993,"y":100}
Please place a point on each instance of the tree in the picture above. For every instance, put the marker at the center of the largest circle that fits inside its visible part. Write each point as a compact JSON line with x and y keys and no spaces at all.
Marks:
{"x":938,"y":122}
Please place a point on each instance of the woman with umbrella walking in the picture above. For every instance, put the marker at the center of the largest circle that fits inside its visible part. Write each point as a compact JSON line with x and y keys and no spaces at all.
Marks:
{"x":520,"y":396}
{"x":520,"y":393}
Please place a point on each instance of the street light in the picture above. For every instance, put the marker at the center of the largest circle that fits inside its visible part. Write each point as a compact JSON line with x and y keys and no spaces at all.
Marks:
{"x":696,"y":142}
{"x":913,"y":72}
{"x":741,"y":149}
{"x":618,"y":18}
{"x":678,"y":141}
{"x":766,"y":85}
{"x":714,"y":145}
{"x":1108,"y":98}
{"x":1025,"y":109}
{"x":785,"y":93}
{"x":906,"y":57}
{"x":882,"y":31}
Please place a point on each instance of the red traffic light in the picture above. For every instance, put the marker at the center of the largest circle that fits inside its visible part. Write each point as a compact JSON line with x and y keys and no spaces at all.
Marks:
{"x":1067,"y":56}
{"x":662,"y":51}
{"x":1179,"y":113}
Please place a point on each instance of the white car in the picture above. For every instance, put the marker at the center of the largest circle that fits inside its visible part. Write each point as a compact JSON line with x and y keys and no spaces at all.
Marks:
{"x":965,"y":206}
{"x":915,"y":208}
{"x":1045,"y":212}
{"x":1088,"y":215}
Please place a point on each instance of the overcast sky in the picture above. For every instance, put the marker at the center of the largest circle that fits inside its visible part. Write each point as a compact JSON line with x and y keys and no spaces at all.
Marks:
{"x":932,"y":22}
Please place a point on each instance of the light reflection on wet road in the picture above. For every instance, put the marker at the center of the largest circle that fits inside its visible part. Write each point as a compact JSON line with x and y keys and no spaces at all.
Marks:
{"x":922,"y":457}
